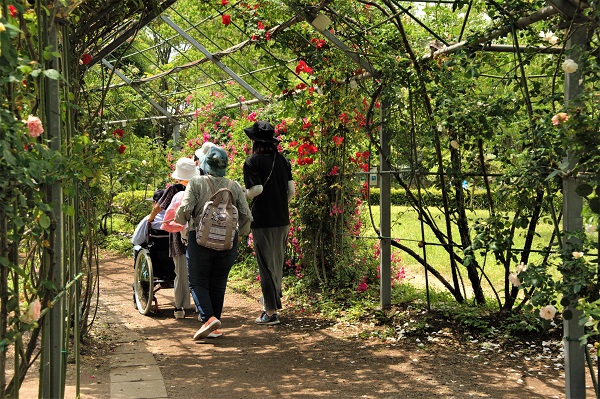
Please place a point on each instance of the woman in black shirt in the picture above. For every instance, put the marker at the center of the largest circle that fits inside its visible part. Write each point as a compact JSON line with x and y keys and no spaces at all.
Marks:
{"x":268,"y":181}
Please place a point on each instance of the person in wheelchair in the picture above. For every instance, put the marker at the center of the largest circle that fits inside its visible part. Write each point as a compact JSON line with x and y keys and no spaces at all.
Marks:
{"x":140,"y":234}
{"x":149,"y":238}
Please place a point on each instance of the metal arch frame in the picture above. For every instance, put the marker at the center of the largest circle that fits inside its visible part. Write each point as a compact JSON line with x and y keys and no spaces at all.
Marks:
{"x":356,"y":57}
{"x":112,"y":46}
{"x":212,"y":58}
{"x":137,"y":89}
{"x":215,"y":58}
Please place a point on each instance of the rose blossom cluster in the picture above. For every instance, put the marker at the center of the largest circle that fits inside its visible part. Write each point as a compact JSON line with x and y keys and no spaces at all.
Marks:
{"x":560,"y":118}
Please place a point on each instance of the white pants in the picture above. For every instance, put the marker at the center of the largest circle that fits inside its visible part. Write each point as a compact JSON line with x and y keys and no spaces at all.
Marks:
{"x":181,"y":286}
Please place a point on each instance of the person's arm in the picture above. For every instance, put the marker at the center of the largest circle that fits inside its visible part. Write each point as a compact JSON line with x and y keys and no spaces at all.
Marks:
{"x":252,"y":180}
{"x":291,"y":190}
{"x":244,"y":212}
{"x":291,"y":187}
{"x":189,"y":201}
{"x":155,"y":211}
{"x":254,"y":191}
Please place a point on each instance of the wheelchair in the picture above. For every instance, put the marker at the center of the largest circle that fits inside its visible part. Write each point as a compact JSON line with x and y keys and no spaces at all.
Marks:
{"x":153,"y":271}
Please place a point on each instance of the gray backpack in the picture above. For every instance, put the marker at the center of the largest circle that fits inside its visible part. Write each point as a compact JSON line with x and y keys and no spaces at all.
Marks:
{"x":218,"y":221}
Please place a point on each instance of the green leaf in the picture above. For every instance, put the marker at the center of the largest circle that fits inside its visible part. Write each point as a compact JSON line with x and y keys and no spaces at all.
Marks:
{"x":25,"y":69}
{"x":472,"y":73}
{"x":88,"y":172}
{"x":12,"y":28}
{"x":551,"y":175}
{"x":8,"y":156}
{"x":69,"y":210}
{"x":48,"y":284}
{"x":44,"y":221}
{"x":52,"y":74}
{"x":584,"y":190}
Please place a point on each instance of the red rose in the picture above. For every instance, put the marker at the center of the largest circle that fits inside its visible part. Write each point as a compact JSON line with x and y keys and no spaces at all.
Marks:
{"x":122,"y":149}
{"x":303,"y":67}
{"x":86,"y":59}
{"x":13,"y":11}
{"x":118,"y":132}
{"x":226,"y":19}
{"x":224,"y":2}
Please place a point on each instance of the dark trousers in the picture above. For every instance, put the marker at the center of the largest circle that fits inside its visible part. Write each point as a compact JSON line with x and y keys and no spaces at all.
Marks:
{"x":208,"y":271}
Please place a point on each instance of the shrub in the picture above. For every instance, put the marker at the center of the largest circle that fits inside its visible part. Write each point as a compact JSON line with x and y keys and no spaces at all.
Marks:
{"x":476,"y":199}
{"x":133,"y":205}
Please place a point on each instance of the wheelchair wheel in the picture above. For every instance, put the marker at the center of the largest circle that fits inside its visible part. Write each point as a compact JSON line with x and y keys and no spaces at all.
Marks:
{"x":143,"y":282}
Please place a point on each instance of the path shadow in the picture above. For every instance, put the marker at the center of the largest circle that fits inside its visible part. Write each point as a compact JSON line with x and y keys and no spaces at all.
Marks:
{"x":308,"y":358}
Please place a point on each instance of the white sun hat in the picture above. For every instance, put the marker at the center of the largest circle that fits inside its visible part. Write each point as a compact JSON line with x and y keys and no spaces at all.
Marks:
{"x":185,"y":169}
{"x":202,"y":151}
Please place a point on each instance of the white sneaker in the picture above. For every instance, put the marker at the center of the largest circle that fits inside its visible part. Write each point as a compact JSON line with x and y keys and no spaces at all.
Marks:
{"x":179,"y":313}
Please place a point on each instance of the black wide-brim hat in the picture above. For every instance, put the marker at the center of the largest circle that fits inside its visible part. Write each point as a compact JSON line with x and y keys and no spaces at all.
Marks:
{"x":261,"y":131}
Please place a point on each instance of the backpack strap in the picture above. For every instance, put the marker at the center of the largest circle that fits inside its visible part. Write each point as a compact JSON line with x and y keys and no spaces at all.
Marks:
{"x":211,"y":184}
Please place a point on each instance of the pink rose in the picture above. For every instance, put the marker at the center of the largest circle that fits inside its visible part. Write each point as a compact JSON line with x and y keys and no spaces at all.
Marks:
{"x":32,"y":313}
{"x":560,"y":118}
{"x":35,"y":309}
{"x":34,"y":124}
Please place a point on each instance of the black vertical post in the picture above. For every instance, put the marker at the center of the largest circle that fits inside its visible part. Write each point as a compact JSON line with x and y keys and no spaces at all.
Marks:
{"x":572,"y":208}
{"x":385,"y":206}
{"x":53,"y":354}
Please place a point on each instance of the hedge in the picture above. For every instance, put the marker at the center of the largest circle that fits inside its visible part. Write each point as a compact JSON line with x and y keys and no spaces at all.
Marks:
{"x":432,"y":197}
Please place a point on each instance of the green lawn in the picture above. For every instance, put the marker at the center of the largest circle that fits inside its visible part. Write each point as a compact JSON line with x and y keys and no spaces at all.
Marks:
{"x":407,"y":229}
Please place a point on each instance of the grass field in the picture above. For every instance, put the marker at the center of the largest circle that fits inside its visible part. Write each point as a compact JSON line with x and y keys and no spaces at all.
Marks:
{"x":406,"y":228}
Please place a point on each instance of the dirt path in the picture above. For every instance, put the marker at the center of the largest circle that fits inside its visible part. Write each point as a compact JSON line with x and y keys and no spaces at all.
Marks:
{"x":301,"y":358}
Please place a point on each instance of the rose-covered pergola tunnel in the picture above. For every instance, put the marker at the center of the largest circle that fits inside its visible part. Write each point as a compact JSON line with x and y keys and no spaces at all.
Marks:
{"x":161,"y":62}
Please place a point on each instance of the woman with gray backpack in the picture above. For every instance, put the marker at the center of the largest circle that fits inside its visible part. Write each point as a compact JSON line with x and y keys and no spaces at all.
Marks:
{"x":218,"y":215}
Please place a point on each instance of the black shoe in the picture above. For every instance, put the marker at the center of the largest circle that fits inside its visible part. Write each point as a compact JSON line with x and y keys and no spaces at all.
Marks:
{"x":179,"y":313}
{"x":267,"y":320}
